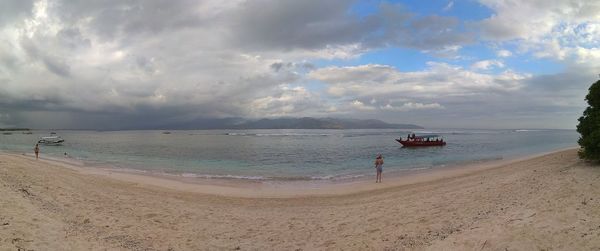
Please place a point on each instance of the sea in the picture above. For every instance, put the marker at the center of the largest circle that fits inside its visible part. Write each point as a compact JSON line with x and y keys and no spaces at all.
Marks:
{"x":284,"y":154}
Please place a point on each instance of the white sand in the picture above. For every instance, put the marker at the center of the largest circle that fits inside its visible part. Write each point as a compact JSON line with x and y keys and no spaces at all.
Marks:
{"x":547,"y":202}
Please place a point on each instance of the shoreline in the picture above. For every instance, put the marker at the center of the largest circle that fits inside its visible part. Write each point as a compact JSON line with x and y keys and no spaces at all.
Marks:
{"x":271,"y":165}
{"x":248,"y":188}
{"x":549,"y":201}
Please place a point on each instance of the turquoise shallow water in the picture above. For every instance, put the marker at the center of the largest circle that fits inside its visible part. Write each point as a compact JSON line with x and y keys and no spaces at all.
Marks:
{"x":286,"y":154}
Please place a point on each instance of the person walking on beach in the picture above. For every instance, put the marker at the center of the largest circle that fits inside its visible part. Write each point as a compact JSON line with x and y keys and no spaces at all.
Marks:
{"x":37,"y":151}
{"x":379,"y":167}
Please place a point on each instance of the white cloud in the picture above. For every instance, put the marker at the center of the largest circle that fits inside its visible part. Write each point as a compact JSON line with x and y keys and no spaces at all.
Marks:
{"x":451,"y":52}
{"x":377,"y":81}
{"x":358,"y":105}
{"x":412,"y":106}
{"x":487,"y":64}
{"x":588,"y":55}
{"x":153,"y":60}
{"x":504,"y":53}
{"x":212,"y":57}
{"x":287,"y":102}
{"x":448,"y":6}
{"x":443,"y":91}
{"x":553,"y":29}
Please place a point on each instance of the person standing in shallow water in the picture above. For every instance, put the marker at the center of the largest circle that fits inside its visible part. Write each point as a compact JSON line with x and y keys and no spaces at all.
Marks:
{"x":37,"y":151}
{"x":379,"y":167}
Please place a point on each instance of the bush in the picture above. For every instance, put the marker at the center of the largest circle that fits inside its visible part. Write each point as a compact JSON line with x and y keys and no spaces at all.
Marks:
{"x":589,"y":125}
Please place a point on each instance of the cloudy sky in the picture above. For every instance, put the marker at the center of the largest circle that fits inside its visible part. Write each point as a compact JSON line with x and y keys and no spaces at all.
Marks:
{"x":441,"y":63}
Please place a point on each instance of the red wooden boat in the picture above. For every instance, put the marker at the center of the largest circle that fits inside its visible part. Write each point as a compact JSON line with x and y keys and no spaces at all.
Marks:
{"x":422,"y":140}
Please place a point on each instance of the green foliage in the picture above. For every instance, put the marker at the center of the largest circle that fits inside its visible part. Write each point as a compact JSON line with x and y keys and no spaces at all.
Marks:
{"x":589,"y":125}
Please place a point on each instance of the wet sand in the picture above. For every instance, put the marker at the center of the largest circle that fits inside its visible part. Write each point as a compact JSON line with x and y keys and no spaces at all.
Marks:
{"x":543,"y":202}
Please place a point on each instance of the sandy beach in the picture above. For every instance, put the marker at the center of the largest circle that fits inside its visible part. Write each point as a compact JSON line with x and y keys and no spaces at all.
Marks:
{"x":548,"y":202}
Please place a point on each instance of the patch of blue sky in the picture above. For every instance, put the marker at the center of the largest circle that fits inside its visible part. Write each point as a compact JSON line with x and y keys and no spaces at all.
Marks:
{"x":529,"y":64}
{"x":465,"y":10}
{"x":365,"y":8}
{"x":321,"y":63}
{"x":582,"y":35}
{"x":468,"y":10}
{"x":477,"y":52}
{"x":403,"y":59}
{"x":407,"y":59}
{"x":519,"y":62}
{"x":315,"y":86}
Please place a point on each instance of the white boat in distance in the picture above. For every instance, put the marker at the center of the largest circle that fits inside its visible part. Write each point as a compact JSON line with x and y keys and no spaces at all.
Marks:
{"x":51,"y":140}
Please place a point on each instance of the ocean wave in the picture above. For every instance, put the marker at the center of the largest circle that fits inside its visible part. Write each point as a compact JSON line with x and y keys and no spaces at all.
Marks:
{"x":458,"y":132}
{"x":263,"y":178}
{"x":442,"y":132}
{"x":348,"y":176}
{"x":423,"y":168}
{"x":366,"y":134}
{"x":292,"y":134}
{"x":235,"y":134}
{"x":278,"y":134}
{"x":225,"y":176}
{"x":324,"y":177}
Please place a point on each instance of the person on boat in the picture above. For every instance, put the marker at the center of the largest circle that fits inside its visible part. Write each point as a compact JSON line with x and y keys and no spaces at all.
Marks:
{"x":379,"y":167}
{"x":36,"y":149}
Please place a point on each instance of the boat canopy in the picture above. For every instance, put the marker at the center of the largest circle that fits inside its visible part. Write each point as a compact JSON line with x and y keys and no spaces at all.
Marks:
{"x":426,"y":136}
{"x":51,"y":138}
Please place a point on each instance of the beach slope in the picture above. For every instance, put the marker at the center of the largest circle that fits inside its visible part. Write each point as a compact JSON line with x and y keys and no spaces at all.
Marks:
{"x":547,"y":202}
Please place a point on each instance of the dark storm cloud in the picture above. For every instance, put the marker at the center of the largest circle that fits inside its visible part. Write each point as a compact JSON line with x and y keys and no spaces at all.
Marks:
{"x":119,"y":17}
{"x":72,"y":38}
{"x":401,"y":28}
{"x":266,"y":24}
{"x":310,"y":24}
{"x":575,"y":77}
{"x":13,"y":9}
{"x":54,"y":111}
{"x":277,"y":66}
{"x":118,"y":64}
{"x":48,"y":102}
{"x":54,"y":64}
{"x":314,"y":24}
{"x":560,"y":91}
{"x":290,"y":66}
{"x":434,"y":32}
{"x":145,"y":64}
{"x":8,"y":62}
{"x":139,"y":117}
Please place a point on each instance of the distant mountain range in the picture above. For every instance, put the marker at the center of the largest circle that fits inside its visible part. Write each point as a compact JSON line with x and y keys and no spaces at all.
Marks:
{"x":13,"y":129}
{"x":289,"y":123}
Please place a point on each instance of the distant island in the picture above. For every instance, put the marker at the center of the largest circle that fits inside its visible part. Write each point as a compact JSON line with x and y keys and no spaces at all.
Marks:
{"x":288,"y":123}
{"x":274,"y":123}
{"x":322,"y":123}
{"x":13,"y":129}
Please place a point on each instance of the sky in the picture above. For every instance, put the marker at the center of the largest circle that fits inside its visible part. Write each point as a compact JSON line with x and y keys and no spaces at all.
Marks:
{"x":440,"y":64}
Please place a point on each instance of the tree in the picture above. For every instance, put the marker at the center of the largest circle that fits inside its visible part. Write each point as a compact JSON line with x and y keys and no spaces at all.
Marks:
{"x":589,"y":125}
